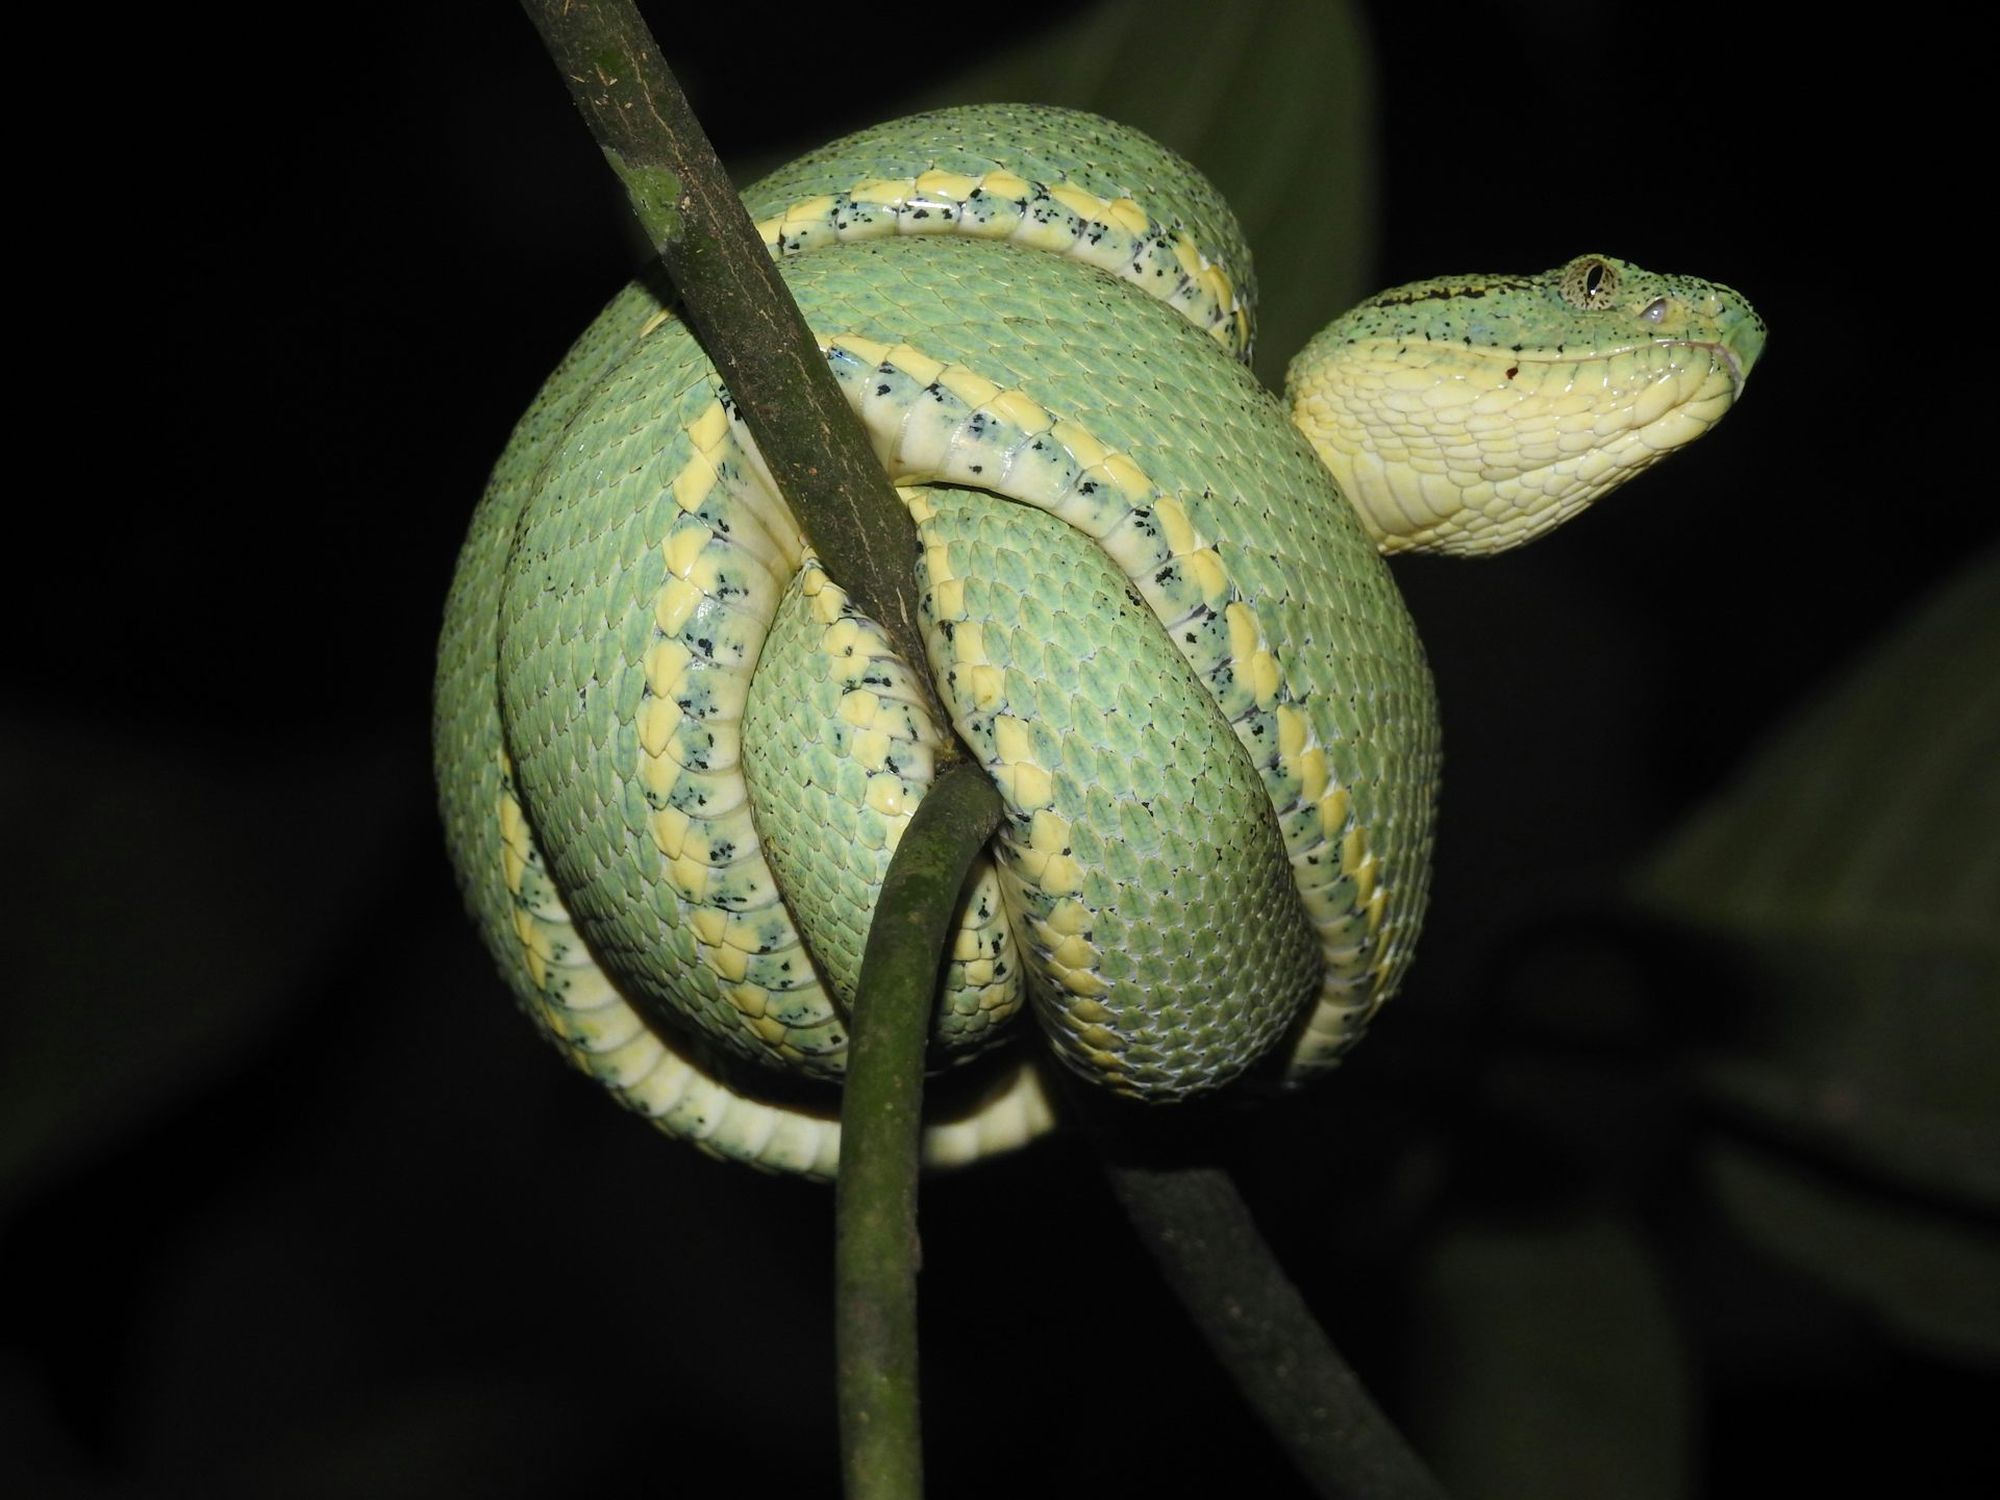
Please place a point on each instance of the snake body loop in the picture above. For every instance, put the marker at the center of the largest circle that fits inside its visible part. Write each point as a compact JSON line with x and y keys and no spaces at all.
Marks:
{"x":674,"y":760}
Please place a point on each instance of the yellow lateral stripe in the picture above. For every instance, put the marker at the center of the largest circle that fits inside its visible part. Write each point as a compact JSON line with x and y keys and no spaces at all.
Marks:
{"x":1022,"y":412}
{"x":1128,"y":216}
{"x":868,"y":351}
{"x":882,"y":191}
{"x":1005,"y":184}
{"x":937,"y":183}
{"x":1080,"y":203}
{"x":1174,"y":522}
{"x":710,"y":430}
{"x":914,"y":363}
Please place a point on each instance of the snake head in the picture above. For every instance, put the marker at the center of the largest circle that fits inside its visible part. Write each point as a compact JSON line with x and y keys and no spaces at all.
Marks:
{"x":1469,"y":414}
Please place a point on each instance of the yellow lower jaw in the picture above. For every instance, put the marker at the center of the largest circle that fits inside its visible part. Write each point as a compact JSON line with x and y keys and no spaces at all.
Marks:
{"x":1474,"y":453}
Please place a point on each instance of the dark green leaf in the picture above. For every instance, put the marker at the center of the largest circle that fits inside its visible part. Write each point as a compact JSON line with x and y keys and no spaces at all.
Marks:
{"x":1848,"y":886}
{"x":1550,"y":1366}
{"x":178,"y":906}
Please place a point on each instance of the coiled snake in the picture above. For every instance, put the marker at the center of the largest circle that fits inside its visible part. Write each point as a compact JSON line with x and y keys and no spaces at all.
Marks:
{"x":673,"y":761}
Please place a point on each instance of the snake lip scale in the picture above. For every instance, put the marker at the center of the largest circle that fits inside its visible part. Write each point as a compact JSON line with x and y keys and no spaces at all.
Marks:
{"x":1737,"y":371}
{"x":673,"y":759}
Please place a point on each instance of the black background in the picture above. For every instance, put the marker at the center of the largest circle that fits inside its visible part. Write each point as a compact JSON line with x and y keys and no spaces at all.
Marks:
{"x":357,"y":1233}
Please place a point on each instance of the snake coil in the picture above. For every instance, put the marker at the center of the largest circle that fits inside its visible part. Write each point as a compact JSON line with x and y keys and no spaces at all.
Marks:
{"x":674,"y":761}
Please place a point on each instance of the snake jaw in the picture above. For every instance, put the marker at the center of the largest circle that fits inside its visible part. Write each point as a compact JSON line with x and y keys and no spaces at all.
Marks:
{"x":1737,"y":373}
{"x":1472,"y":414}
{"x":1735,"y":332}
{"x":1741,"y":344}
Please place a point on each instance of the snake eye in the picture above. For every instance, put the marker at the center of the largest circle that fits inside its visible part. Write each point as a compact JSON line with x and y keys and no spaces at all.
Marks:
{"x":1656,"y":310}
{"x":1589,"y":282}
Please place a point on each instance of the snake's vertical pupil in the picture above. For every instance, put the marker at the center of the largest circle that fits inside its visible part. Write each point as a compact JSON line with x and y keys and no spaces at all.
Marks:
{"x":1589,"y":282}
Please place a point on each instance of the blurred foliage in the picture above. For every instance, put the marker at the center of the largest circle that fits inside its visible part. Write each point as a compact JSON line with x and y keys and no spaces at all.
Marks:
{"x":1846,"y":891}
{"x":1551,"y":1363}
{"x":174,"y":856}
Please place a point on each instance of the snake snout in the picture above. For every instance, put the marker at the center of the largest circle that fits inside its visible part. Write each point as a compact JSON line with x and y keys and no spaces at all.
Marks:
{"x":1742,"y":335}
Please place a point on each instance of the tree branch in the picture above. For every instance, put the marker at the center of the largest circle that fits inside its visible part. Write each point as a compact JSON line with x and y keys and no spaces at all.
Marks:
{"x":875,"y":1196}
{"x":819,"y":455}
{"x":1201,"y":1234}
{"x":739,"y":307}
{"x":1190,"y":1217}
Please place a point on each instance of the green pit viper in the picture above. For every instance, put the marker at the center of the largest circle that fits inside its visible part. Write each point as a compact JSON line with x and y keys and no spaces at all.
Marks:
{"x":674,"y":760}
